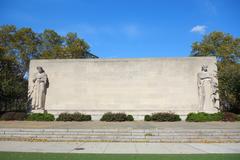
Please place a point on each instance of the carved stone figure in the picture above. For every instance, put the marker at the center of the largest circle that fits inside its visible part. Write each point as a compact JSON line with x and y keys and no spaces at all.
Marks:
{"x":207,"y":89}
{"x":39,"y":89}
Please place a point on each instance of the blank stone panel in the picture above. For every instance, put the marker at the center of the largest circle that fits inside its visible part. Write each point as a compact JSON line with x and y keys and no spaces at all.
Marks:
{"x":137,"y":86}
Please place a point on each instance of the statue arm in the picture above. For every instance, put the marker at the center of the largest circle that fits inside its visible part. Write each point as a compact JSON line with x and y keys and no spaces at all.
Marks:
{"x":198,"y":81}
{"x":44,"y":78}
{"x":34,"y":78}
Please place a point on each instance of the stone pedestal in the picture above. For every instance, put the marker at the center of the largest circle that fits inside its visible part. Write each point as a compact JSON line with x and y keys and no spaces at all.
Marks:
{"x":38,"y":111}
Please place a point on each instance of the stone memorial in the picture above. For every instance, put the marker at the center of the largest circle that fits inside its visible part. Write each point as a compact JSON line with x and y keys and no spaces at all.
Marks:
{"x":37,"y":92}
{"x":135,"y":86}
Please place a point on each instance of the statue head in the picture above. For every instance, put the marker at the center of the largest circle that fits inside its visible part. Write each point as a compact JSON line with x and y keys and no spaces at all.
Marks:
{"x":204,"y":68}
{"x":40,"y":69}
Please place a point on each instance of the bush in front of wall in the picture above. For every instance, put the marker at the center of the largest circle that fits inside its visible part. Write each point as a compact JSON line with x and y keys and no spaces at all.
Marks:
{"x":130,"y":118}
{"x":163,"y":117}
{"x":109,"y":116}
{"x":73,"y":117}
{"x":118,"y":117}
{"x":228,"y":116}
{"x":9,"y":116}
{"x":40,"y":117}
{"x":204,"y":117}
{"x":147,"y":118}
{"x":65,"y":117}
{"x":81,"y":117}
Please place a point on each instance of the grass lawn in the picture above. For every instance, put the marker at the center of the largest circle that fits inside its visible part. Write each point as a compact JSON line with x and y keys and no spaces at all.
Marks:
{"x":72,"y":156}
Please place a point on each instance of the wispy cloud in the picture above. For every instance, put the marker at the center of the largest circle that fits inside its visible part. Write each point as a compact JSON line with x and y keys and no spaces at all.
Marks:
{"x":127,"y":30}
{"x":131,"y":30}
{"x":201,"y":29}
{"x":210,"y":6}
{"x":86,"y":28}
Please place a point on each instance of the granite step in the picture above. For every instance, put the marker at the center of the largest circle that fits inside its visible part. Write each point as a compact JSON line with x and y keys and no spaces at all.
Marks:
{"x":120,"y":135}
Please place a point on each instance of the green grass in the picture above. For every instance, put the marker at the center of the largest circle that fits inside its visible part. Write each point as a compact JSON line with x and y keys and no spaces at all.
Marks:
{"x":71,"y":156}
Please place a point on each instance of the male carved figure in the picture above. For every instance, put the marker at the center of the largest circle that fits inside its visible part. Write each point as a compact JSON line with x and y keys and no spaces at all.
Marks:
{"x":38,"y":92}
{"x":206,"y":89}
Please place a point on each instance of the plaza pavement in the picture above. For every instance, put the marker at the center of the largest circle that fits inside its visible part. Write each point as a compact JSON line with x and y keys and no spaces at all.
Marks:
{"x":119,"y":125}
{"x":119,"y":148}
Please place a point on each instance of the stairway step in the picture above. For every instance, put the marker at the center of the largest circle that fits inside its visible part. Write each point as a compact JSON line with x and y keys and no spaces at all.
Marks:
{"x":129,"y":135}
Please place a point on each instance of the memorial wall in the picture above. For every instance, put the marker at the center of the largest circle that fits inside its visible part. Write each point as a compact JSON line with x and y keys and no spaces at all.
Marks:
{"x":136,"y":86}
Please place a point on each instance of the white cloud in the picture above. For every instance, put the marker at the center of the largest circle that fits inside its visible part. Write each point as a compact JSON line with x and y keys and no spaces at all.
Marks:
{"x":131,"y":30}
{"x":199,"y":29}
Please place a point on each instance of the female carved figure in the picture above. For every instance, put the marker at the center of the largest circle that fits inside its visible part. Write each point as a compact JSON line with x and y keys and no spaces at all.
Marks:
{"x":206,"y":89}
{"x":38,"y":92}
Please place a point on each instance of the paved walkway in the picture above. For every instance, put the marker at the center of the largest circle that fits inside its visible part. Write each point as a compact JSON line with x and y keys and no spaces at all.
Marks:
{"x":119,"y":148}
{"x":120,"y":125}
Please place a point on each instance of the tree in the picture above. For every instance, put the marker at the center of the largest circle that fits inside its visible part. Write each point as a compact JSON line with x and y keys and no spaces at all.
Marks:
{"x":227,"y":50}
{"x":26,"y":44}
{"x":51,"y":44}
{"x":18,"y":47}
{"x":13,"y":93}
{"x":75,"y":47}
{"x":56,"y":47}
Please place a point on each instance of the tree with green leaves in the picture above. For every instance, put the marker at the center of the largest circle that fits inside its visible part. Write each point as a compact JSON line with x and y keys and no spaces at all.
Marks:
{"x":18,"y":47}
{"x":21,"y":44}
{"x":13,"y":86}
{"x":226,"y":48}
{"x":55,"y":46}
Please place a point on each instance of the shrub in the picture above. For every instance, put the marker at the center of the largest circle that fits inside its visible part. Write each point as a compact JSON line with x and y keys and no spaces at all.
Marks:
{"x":74,"y":117}
{"x":88,"y":117}
{"x":65,"y":117}
{"x":204,"y":117}
{"x":40,"y":117}
{"x":20,"y":116}
{"x":14,"y":116}
{"x":130,"y":118}
{"x":81,"y":117}
{"x":162,"y":117}
{"x":216,"y":116}
{"x":147,"y":118}
{"x":109,"y":116}
{"x":8,"y":116}
{"x":77,"y":116}
{"x":119,"y":117}
{"x":228,"y":116}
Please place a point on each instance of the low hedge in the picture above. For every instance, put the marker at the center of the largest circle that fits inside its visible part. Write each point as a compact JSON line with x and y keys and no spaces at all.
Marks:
{"x":130,"y":118}
{"x":162,"y":117}
{"x":65,"y":117}
{"x":74,"y":117}
{"x":117,"y":117}
{"x":40,"y":117}
{"x":206,"y":117}
{"x":228,"y":116}
{"x":9,"y":116}
{"x":147,"y":118}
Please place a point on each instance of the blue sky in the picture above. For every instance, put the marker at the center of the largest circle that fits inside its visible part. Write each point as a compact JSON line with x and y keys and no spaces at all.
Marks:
{"x":128,"y":28}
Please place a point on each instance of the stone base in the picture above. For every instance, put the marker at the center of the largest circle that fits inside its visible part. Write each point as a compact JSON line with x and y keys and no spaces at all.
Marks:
{"x":96,"y":115}
{"x":38,"y":111}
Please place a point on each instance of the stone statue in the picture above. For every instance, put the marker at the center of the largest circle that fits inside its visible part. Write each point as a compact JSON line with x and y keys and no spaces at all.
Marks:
{"x":207,"y":89}
{"x":38,"y":92}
